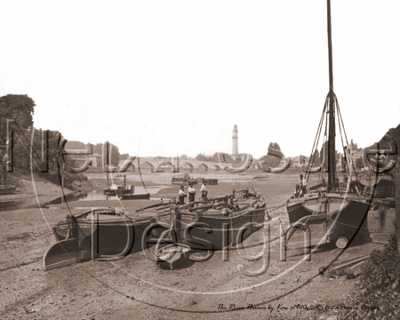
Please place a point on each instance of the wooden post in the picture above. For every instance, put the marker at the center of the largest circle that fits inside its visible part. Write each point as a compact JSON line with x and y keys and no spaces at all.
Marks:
{"x":177,"y":224}
{"x":369,"y":180}
{"x":3,"y":165}
{"x":397,"y":197}
{"x":396,"y":177}
{"x":62,"y":180}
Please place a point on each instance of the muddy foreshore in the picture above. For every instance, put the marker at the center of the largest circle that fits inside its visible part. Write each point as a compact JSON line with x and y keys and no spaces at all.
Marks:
{"x":134,"y":287}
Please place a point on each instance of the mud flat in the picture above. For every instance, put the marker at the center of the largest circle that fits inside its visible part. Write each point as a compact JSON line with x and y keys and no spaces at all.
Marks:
{"x":30,"y":194}
{"x":134,"y":287}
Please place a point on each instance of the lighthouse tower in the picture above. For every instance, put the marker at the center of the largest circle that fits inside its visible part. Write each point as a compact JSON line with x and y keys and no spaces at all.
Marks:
{"x":235,"y":145}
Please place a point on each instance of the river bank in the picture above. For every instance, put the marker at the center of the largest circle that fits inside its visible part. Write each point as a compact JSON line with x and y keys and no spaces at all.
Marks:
{"x":33,"y":192}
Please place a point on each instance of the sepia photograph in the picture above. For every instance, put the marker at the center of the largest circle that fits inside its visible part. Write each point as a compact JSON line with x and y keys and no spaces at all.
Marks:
{"x":200,"y":160}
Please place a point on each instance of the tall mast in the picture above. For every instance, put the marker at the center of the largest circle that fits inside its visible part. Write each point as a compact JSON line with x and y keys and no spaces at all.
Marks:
{"x":332,"y":134}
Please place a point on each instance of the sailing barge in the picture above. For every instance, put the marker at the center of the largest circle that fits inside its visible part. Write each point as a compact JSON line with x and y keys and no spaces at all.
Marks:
{"x":335,"y":212}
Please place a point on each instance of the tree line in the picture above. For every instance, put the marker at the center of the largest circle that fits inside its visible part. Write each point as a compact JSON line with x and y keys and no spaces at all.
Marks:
{"x":266,"y":160}
{"x":32,"y":146}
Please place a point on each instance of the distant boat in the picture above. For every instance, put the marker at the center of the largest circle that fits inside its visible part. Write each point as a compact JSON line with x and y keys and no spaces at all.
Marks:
{"x":119,"y":190}
{"x":185,"y":179}
{"x":125,"y":192}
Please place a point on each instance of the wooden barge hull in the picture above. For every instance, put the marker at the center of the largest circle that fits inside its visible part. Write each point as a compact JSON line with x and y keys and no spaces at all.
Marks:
{"x":340,"y":215}
{"x":217,"y":232}
{"x":98,"y":236}
{"x":145,"y":196}
{"x":7,"y":189}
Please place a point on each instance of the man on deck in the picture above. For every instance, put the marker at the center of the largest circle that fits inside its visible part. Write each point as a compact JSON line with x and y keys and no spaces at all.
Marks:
{"x":204,"y":191}
{"x":303,"y":185}
{"x":182,"y":195}
{"x":296,"y":191}
{"x":192,"y":193}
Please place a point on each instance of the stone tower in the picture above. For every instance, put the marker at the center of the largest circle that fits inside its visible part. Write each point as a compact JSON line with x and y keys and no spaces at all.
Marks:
{"x":235,"y":145}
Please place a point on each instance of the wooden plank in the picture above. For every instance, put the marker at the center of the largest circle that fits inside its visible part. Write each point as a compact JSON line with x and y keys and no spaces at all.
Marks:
{"x":350,"y":262}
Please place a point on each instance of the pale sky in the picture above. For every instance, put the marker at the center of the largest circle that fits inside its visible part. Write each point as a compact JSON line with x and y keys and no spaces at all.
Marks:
{"x":173,"y":77}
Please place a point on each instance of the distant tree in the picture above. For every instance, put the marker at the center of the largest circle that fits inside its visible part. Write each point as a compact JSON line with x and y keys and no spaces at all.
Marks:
{"x":316,"y":161}
{"x":74,"y":145}
{"x":324,"y":154}
{"x":23,"y":159}
{"x":359,"y":163}
{"x":270,"y":160}
{"x":97,"y":148}
{"x":74,"y":163}
{"x":113,"y":151}
{"x":275,"y":145}
{"x":183,"y":157}
{"x":223,"y":157}
{"x":203,"y":157}
{"x":19,"y":108}
{"x":215,"y":157}
{"x":324,"y":151}
{"x":25,"y":153}
{"x":124,"y":156}
{"x":114,"y":155}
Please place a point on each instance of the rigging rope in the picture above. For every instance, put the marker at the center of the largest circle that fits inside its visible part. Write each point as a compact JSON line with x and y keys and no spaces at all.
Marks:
{"x":343,"y":139}
{"x":308,"y":171}
{"x":345,"y":135}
